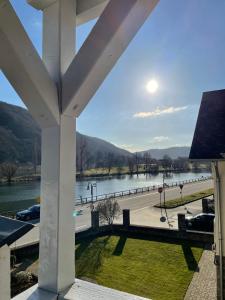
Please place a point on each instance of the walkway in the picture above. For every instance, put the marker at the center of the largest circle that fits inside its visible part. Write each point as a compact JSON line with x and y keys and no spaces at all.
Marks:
{"x":203,"y":284}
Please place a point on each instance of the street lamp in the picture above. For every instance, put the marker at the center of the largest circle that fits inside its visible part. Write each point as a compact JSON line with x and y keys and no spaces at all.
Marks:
{"x":181,"y":191}
{"x":160,"y":190}
{"x":91,"y":187}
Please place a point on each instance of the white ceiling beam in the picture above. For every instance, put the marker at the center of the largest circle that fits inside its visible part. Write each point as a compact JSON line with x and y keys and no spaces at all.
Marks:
{"x":108,"y":39}
{"x":25,"y":70}
{"x":86,"y":10}
{"x":89,"y":9}
{"x":40,"y":4}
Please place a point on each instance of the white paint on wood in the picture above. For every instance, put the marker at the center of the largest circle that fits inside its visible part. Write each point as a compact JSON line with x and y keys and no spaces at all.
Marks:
{"x":5,"y":273}
{"x":219,"y":198}
{"x":54,"y":92}
{"x":80,"y":290}
{"x":59,"y":38}
{"x":25,"y":70}
{"x":57,"y":242}
{"x":89,"y":9}
{"x":57,"y":266}
{"x":107,"y":41}
{"x":86,"y":9}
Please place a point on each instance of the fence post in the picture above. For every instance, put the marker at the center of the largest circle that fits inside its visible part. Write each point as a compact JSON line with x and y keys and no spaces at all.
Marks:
{"x":126,"y":217}
{"x":181,"y":222}
{"x":205,"y":206}
{"x":95,"y":219}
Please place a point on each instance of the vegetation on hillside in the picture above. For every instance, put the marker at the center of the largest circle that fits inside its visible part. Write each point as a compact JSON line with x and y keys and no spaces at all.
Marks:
{"x":20,"y":139}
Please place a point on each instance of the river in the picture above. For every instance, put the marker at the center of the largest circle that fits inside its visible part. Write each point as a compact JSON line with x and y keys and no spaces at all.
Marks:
{"x":104,"y":185}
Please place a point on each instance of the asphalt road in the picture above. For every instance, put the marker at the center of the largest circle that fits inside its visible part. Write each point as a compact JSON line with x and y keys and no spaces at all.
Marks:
{"x":140,"y":202}
{"x":142,"y":210}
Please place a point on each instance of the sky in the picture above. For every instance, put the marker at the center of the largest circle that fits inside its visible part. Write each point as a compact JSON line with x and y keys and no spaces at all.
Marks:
{"x":181,"y":46}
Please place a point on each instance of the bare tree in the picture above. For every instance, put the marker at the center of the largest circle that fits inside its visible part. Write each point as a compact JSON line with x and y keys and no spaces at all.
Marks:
{"x":166,"y":162}
{"x":137,"y":162}
{"x":147,"y":161}
{"x":108,"y":210}
{"x":110,"y":159}
{"x":82,"y":156}
{"x":35,"y":155}
{"x":8,"y":170}
{"x":181,"y":163}
{"x":131,"y":164}
{"x":119,"y":170}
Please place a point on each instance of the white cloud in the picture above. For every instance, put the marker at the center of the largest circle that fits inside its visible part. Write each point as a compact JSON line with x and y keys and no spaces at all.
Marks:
{"x":159,"y":139}
{"x":130,"y":147}
{"x":159,"y":112}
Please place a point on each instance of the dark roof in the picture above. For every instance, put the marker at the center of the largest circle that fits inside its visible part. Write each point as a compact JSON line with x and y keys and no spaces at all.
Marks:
{"x":209,"y":137}
{"x":11,"y":230}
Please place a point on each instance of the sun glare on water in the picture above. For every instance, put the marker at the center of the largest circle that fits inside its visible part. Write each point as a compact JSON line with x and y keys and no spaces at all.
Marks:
{"x":152,"y":86}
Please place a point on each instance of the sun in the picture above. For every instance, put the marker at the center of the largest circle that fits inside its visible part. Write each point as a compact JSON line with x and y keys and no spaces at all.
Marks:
{"x":152,"y":86}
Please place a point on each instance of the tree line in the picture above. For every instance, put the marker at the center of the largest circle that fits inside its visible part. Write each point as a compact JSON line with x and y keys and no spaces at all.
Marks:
{"x":133,"y":164}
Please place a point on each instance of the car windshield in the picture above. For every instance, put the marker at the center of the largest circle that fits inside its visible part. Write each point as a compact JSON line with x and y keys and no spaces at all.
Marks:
{"x":33,"y":208}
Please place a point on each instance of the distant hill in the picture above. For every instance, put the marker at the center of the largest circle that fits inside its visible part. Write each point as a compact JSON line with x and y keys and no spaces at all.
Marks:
{"x":173,"y":152}
{"x":19,"y":134}
{"x":96,"y":146}
{"x":20,"y":139}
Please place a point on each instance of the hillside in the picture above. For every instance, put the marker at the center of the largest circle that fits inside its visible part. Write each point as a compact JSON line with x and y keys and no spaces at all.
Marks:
{"x":19,"y":134}
{"x":20,"y":139}
{"x":173,"y":152}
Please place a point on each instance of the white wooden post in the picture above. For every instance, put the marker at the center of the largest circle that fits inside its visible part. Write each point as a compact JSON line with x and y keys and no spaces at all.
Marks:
{"x":57,"y":230}
{"x":56,"y":96}
{"x":219,"y":229}
{"x":5,"y":272}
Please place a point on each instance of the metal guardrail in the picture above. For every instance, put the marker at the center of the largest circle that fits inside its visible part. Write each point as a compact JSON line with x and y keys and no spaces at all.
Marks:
{"x":85,"y":200}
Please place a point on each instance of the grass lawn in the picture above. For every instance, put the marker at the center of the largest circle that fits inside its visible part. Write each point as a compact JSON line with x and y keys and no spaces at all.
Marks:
{"x":155,"y":269}
{"x":148,"y":268}
{"x":186,"y":199}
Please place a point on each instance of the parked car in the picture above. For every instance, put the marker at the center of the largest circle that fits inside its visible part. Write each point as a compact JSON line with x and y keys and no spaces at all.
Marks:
{"x":32,"y":212}
{"x":201,"y":222}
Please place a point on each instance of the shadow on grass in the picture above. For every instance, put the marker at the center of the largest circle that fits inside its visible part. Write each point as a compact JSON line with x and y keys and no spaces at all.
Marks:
{"x":89,"y":256}
{"x":82,"y":247}
{"x":120,"y":246}
{"x":189,"y":257}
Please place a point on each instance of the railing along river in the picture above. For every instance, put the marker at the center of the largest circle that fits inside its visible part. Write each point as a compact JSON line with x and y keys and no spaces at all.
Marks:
{"x":84,"y":200}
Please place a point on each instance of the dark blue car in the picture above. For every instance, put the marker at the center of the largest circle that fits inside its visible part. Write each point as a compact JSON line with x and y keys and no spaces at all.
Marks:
{"x":32,"y":212}
{"x":201,"y":222}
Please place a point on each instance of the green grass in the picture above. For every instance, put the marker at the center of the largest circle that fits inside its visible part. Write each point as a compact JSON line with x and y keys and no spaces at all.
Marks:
{"x":186,"y":199}
{"x":148,"y":268}
{"x":155,"y":269}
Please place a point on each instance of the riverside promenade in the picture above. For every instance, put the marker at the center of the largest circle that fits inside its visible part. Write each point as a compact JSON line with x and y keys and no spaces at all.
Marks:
{"x":142,"y":211}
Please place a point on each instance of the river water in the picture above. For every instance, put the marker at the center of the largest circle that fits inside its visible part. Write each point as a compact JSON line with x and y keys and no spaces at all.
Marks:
{"x":104,"y":185}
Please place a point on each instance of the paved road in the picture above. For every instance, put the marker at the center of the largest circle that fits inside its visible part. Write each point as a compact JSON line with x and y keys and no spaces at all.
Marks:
{"x":142,"y":210}
{"x":141,"y":204}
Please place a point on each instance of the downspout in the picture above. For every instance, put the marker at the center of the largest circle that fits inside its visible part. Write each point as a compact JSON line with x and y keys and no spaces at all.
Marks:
{"x":218,"y":192}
